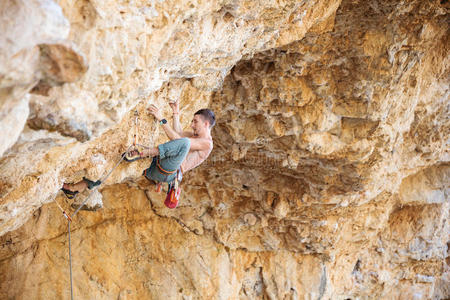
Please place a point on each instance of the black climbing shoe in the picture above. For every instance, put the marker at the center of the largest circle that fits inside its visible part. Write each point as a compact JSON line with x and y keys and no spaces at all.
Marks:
{"x":85,"y":207}
{"x":131,"y":155}
{"x":91,"y":184}
{"x":69,"y":194}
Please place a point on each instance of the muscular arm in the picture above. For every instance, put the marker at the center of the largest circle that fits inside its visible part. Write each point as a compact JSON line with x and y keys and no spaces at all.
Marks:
{"x":173,"y":133}
{"x":196,"y":143}
{"x":170,"y":132}
{"x":176,"y":123}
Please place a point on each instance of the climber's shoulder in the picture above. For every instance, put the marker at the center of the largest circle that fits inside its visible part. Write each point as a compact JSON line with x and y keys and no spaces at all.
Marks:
{"x":187,"y":134}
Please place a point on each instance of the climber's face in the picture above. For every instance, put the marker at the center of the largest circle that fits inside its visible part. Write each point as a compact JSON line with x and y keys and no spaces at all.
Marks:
{"x":198,"y":125}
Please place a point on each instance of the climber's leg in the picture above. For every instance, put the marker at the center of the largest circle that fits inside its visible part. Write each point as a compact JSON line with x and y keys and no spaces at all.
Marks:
{"x":171,"y":155}
{"x":79,"y":186}
{"x":71,"y":189}
{"x":149,"y":152}
{"x":133,"y":155}
{"x":91,"y":184}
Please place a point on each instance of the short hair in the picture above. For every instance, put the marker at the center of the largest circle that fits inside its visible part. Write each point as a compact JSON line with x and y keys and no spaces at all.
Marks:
{"x":207,"y":115}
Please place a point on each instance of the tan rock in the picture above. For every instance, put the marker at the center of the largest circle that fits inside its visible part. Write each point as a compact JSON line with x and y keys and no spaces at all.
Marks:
{"x":329,"y":173}
{"x":250,"y":219}
{"x":20,"y":57}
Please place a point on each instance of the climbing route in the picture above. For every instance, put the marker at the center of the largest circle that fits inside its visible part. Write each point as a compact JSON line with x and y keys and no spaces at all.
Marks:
{"x":97,"y":184}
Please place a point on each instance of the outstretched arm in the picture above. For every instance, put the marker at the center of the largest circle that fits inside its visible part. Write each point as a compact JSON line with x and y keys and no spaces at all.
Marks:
{"x":176,"y":120}
{"x":170,"y":132}
{"x":176,"y":116}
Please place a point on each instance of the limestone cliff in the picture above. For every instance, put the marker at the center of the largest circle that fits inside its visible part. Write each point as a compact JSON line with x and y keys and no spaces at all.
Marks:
{"x":329,"y":177}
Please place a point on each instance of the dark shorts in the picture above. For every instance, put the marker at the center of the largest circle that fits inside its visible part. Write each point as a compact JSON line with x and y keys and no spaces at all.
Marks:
{"x":171,"y":155}
{"x":153,"y":173}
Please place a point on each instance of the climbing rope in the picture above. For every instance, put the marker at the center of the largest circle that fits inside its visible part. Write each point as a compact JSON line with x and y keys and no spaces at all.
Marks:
{"x":70,"y":260}
{"x":70,"y":217}
{"x":102,"y":180}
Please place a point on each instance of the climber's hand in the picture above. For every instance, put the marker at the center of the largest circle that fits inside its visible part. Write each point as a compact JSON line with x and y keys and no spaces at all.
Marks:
{"x":175,"y":107}
{"x":155,"y":112}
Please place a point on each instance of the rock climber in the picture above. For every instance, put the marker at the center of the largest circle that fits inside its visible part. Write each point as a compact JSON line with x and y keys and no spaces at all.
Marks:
{"x":185,"y":150}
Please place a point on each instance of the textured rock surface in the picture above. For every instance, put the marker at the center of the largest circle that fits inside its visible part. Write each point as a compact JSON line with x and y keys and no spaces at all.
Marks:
{"x":128,"y":251}
{"x":20,"y":57}
{"x":330,"y":173}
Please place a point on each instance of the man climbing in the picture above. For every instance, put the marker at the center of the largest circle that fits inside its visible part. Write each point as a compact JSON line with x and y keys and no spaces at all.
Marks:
{"x":185,"y":150}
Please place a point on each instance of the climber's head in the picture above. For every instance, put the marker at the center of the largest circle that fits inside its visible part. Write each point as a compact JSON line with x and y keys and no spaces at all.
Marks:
{"x":203,"y":121}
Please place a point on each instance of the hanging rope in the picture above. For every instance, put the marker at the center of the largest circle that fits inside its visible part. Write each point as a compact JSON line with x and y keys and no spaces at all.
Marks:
{"x":102,"y":180}
{"x":70,"y":217}
{"x":70,"y":259}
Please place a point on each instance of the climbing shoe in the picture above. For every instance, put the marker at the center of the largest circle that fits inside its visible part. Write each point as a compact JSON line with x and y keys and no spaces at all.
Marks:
{"x":69,"y":194}
{"x":86,"y":207}
{"x":131,"y":155}
{"x":91,"y":184}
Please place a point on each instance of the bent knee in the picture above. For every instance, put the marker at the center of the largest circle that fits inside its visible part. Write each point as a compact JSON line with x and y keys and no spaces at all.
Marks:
{"x":185,"y":142}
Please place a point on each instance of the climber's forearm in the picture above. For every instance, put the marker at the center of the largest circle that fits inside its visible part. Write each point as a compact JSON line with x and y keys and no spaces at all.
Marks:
{"x":170,"y":132}
{"x":176,"y":123}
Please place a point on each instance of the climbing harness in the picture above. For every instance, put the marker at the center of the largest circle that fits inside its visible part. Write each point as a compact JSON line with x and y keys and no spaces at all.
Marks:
{"x":161,"y":170}
{"x":173,"y":188}
{"x":174,"y":184}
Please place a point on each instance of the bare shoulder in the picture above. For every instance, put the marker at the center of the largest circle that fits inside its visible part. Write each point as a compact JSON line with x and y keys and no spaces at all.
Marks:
{"x":187,"y":134}
{"x":201,"y":144}
{"x":206,"y":141}
{"x":211,"y":145}
{"x":208,"y":146}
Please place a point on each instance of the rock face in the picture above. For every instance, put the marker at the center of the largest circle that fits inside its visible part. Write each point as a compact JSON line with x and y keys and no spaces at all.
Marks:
{"x":329,"y":177}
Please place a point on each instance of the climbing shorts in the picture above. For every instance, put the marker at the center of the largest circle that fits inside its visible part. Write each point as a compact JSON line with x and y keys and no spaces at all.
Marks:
{"x":171,"y":155}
